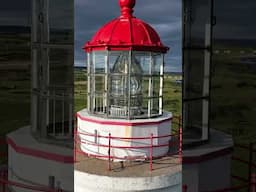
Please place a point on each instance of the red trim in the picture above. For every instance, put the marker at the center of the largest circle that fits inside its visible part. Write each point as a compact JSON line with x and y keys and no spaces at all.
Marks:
{"x":209,"y":156}
{"x":120,"y":123}
{"x":90,"y":48}
{"x":39,"y":153}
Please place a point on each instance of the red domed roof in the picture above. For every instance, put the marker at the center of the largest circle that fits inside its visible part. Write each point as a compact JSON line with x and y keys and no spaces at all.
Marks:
{"x":126,"y":33}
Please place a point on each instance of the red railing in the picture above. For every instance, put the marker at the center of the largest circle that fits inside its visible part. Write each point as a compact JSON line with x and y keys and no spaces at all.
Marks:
{"x":178,"y":135}
{"x":5,"y":182}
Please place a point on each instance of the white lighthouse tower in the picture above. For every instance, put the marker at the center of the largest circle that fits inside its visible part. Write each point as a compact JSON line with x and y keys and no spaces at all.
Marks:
{"x":124,"y":125}
{"x":40,"y":155}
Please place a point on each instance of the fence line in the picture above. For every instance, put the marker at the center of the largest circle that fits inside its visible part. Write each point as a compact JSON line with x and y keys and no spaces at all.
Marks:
{"x":5,"y":182}
{"x":109,"y":146}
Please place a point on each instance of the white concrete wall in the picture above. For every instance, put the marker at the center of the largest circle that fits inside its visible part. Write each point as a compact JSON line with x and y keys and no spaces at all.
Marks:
{"x":212,"y":174}
{"x":158,"y":129}
{"x":85,"y":182}
{"x":28,"y":170}
{"x":208,"y":166}
{"x":32,"y":170}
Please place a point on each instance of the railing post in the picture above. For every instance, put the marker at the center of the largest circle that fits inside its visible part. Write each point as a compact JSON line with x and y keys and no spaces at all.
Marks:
{"x":250,"y":166}
{"x":184,"y":188}
{"x":151,"y":152}
{"x":180,"y":140}
{"x":75,"y":143}
{"x":253,"y":182}
{"x":109,"y":148}
{"x":3,"y":178}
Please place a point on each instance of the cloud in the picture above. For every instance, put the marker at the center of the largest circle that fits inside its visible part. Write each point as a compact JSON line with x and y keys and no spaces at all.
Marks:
{"x":164,"y":16}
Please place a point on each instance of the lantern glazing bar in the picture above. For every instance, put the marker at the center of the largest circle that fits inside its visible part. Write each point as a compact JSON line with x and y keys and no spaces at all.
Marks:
{"x":161,"y":86}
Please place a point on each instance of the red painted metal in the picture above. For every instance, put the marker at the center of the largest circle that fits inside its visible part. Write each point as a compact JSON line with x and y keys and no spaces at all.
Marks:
{"x":184,"y":188}
{"x":39,"y":153}
{"x":28,"y":187}
{"x":253,"y":182}
{"x":124,"y":123}
{"x":126,"y":33}
{"x":109,"y":146}
{"x":151,"y":152}
{"x":128,"y":138}
{"x":126,"y":7}
{"x":124,"y":147}
{"x":75,"y":138}
{"x":180,"y":140}
{"x":109,"y":151}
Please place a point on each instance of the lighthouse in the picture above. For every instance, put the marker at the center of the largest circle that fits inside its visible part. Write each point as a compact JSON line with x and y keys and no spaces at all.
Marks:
{"x":124,"y":125}
{"x":40,"y":155}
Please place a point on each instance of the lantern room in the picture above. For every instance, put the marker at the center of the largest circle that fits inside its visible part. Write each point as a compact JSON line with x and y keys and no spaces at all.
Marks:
{"x":125,"y":68}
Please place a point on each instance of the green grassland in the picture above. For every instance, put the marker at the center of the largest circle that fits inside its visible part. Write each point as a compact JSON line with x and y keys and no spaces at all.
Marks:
{"x":233,"y":96}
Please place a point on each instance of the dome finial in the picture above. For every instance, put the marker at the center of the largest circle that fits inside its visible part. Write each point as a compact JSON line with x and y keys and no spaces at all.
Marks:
{"x":127,"y":7}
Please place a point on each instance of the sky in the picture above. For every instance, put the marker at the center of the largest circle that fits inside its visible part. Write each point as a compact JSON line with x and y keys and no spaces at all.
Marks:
{"x":163,"y":15}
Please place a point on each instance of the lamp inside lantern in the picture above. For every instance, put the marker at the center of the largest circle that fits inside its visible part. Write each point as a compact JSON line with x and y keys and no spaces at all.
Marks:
{"x":126,"y":86}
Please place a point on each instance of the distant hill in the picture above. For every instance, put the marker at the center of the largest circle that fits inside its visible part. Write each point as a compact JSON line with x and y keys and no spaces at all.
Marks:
{"x":6,"y":29}
{"x":235,"y":42}
{"x":167,"y":73}
{"x":9,"y":29}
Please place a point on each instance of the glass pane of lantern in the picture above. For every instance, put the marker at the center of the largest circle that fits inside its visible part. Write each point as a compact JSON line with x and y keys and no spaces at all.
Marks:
{"x":89,"y":63}
{"x":136,"y":94}
{"x":61,"y":22}
{"x":156,"y":85}
{"x":61,"y":67}
{"x":99,"y":103}
{"x":99,"y":81}
{"x":113,"y":56}
{"x":193,"y":121}
{"x":118,"y":91}
{"x":144,"y":107}
{"x":155,"y":106}
{"x":99,"y":61}
{"x":60,"y":92}
{"x":194,"y":101}
{"x":119,"y":82}
{"x":157,"y":62}
{"x":135,"y":87}
{"x":193,"y":71}
{"x":59,"y":110}
{"x":145,"y":86}
{"x":144,"y":59}
{"x":198,"y":15}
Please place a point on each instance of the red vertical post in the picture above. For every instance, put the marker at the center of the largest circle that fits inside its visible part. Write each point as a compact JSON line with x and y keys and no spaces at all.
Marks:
{"x":250,"y":166}
{"x":253,"y":182}
{"x":180,"y":140}
{"x":109,"y":147}
{"x":75,"y":143}
{"x":151,"y":152}
{"x":184,"y":188}
{"x":3,"y":180}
